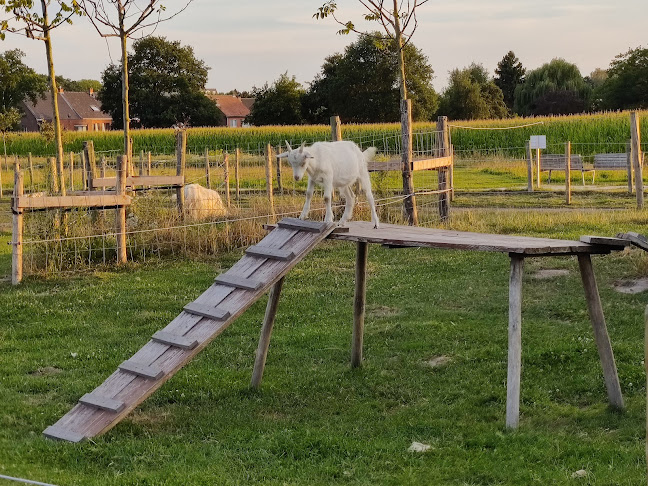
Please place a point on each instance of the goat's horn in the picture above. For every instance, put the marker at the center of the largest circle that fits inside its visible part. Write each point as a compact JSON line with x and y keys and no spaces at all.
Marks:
{"x":288,"y":145}
{"x":301,"y":149}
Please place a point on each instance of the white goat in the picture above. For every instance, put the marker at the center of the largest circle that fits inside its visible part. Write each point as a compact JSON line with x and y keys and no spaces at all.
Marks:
{"x":202,"y":203}
{"x":333,"y":165}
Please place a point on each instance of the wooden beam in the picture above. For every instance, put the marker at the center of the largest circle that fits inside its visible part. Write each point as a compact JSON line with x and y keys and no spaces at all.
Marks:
{"x":600,"y":332}
{"x":266,"y":333}
{"x":53,"y":202}
{"x":514,"y":342}
{"x":359,"y":301}
{"x":166,"y":181}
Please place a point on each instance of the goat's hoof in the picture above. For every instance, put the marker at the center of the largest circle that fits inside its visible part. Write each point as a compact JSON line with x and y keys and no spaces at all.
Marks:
{"x":376,"y":226}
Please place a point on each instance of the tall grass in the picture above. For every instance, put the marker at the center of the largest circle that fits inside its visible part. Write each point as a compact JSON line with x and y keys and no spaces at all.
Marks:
{"x":594,"y":133}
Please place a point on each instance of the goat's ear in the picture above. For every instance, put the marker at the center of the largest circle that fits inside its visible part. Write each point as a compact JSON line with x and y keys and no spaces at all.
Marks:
{"x":308,"y":155}
{"x":288,"y":145}
{"x":283,"y":155}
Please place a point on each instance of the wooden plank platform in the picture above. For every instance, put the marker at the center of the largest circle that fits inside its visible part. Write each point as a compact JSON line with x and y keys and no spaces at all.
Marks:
{"x":416,"y":236}
{"x":87,"y":201}
{"x":84,"y":421}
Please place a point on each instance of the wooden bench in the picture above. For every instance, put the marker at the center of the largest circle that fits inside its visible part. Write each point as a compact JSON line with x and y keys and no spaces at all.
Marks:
{"x":553,"y":162}
{"x":613,"y":162}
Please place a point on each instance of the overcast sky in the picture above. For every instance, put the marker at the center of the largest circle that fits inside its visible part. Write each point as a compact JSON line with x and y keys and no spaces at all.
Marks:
{"x":249,"y":42}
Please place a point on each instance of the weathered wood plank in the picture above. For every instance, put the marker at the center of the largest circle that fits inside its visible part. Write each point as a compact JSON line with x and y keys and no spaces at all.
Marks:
{"x":102,"y":402}
{"x":51,"y":202}
{"x":142,"y":370}
{"x":267,"y":252}
{"x":175,"y":339}
{"x":238,"y":282}
{"x":636,"y":239}
{"x":206,"y":311}
{"x":60,"y":433}
{"x":302,"y":225}
{"x":603,"y":240}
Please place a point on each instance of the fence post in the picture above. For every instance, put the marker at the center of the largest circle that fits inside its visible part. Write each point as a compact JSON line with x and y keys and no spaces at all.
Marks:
{"x":120,"y":211}
{"x":141,"y":167}
{"x":279,"y":183}
{"x":91,"y":166}
{"x":207,"y":168}
{"x":568,"y":172}
{"x":1,"y":193}
{"x":31,"y":171}
{"x":181,"y":160}
{"x":148,"y":164}
{"x":53,"y":176}
{"x":268,"y":171}
{"x":336,"y":129}
{"x":17,"y":240}
{"x":236,"y":173}
{"x":444,"y":151}
{"x":71,"y":171}
{"x":61,"y":174}
{"x":636,"y":157}
{"x":529,"y":155}
{"x":629,"y":163}
{"x":538,"y":165}
{"x":102,"y":172}
{"x":406,"y":163}
{"x":227,"y":179}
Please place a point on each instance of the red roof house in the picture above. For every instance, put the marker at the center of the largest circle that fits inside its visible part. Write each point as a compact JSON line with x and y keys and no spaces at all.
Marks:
{"x":79,"y":111}
{"x":234,"y":108}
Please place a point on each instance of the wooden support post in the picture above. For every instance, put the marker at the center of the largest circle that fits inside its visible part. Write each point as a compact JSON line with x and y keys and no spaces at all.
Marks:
{"x":142,"y":168}
{"x":537,"y":161}
{"x":279,"y":183}
{"x":529,"y":167}
{"x":91,"y":166}
{"x":207,"y":169}
{"x":359,"y":301}
{"x":61,"y":174}
{"x":266,"y":332}
{"x":30,"y":161}
{"x":568,"y":172}
{"x":646,"y":371}
{"x":636,"y":157}
{"x":148,"y":163}
{"x":409,"y":202}
{"x":268,"y":174}
{"x":600,"y":331}
{"x":514,"y":342}
{"x":629,"y":162}
{"x":17,"y":233}
{"x":451,"y":174}
{"x":336,"y":129}
{"x":71,"y":171}
{"x":181,"y":160}
{"x":102,"y":171}
{"x":444,"y":151}
{"x":236,"y":173}
{"x":1,"y":193}
{"x":53,"y":176}
{"x":120,"y":211}
{"x":226,"y":176}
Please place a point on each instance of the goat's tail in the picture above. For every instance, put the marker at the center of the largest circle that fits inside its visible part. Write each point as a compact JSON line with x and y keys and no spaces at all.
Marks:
{"x":370,"y":153}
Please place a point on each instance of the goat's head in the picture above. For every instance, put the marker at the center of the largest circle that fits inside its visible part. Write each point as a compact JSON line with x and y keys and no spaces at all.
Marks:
{"x":299,"y":160}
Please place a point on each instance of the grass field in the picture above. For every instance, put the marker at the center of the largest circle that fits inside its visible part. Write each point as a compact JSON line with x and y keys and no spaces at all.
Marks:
{"x":315,"y":420}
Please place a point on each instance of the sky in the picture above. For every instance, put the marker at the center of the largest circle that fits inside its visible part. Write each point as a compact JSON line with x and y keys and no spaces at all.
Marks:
{"x":247,"y":43}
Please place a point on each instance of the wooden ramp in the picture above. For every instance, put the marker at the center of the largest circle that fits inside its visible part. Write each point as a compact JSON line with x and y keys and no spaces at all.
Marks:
{"x":197,"y":325}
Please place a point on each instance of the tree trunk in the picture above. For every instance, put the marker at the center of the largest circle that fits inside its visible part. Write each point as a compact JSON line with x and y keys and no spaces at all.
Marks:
{"x":123,"y":37}
{"x":53,"y":87}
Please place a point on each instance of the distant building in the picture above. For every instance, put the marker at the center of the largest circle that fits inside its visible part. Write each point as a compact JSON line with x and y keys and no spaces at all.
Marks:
{"x":79,"y":111}
{"x":234,"y":108}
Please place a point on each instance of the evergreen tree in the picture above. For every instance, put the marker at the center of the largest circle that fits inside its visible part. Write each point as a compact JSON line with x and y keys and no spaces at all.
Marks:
{"x":509,"y":74}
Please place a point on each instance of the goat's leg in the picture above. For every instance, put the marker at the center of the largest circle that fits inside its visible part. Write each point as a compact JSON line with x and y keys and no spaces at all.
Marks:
{"x":365,"y":183}
{"x":309,"y":195}
{"x":349,"y":199}
{"x":328,"y":197}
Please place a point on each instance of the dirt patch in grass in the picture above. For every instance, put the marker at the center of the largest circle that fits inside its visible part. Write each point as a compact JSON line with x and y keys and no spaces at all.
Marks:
{"x":378,"y":311}
{"x":631,"y":286}
{"x":437,"y":361}
{"x":46,"y":371}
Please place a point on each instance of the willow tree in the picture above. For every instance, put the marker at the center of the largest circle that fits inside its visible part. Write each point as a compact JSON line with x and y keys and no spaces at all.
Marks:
{"x":124,"y":19}
{"x":398,"y":21}
{"x":37,"y":23}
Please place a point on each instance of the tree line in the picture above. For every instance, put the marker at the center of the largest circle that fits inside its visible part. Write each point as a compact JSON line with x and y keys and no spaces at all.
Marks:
{"x":359,"y":86}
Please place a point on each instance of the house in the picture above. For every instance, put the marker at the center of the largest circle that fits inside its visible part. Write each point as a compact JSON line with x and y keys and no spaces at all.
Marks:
{"x":79,"y":111}
{"x":234,"y":108}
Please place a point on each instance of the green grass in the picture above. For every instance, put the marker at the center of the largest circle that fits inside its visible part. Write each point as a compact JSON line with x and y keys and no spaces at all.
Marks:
{"x":315,"y":420}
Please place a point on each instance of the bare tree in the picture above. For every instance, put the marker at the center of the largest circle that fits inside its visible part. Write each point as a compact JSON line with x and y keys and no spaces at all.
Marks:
{"x":398,"y":20}
{"x":123,"y":19}
{"x":28,"y":21}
